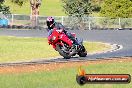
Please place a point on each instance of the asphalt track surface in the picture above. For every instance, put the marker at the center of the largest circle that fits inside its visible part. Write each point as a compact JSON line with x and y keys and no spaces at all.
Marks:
{"x":121,"y":37}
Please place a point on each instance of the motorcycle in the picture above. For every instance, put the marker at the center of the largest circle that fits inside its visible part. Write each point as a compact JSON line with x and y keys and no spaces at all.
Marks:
{"x":64,"y":45}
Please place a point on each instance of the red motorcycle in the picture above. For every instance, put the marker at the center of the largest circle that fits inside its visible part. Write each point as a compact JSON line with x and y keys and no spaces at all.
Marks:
{"x":64,"y":45}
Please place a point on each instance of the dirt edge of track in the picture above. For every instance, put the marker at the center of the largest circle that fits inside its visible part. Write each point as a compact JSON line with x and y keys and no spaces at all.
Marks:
{"x":56,"y":66}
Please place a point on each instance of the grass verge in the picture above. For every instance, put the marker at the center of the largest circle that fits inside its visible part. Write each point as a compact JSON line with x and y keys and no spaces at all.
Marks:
{"x":21,"y":49}
{"x":66,"y":77}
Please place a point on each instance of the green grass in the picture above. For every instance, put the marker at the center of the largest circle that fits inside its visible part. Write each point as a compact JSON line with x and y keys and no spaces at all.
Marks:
{"x":93,"y":47}
{"x":66,"y":77}
{"x":21,"y":49}
{"x":52,"y":8}
{"x":48,"y":8}
{"x":15,"y":9}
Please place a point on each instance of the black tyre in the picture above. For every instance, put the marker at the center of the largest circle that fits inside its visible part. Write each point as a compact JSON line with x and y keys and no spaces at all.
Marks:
{"x":65,"y":55}
{"x":82,"y":52}
{"x":74,"y":54}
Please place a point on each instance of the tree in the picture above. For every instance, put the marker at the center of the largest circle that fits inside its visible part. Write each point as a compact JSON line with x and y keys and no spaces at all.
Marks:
{"x":35,"y":4}
{"x":1,"y":1}
{"x":96,"y":5}
{"x":19,"y":2}
{"x":77,"y":9}
{"x":116,"y":8}
{"x":3,"y":8}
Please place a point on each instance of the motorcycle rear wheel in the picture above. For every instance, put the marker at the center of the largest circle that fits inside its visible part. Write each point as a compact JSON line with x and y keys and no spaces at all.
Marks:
{"x":83,"y":52}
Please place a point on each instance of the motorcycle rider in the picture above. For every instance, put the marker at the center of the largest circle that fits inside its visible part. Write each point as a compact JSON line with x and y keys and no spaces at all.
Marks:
{"x":52,"y":24}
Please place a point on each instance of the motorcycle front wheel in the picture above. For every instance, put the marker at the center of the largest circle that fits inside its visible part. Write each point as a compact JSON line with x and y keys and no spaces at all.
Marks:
{"x":66,"y":56}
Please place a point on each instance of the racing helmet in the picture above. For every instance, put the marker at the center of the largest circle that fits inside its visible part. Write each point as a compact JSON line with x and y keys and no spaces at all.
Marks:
{"x":50,"y":23}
